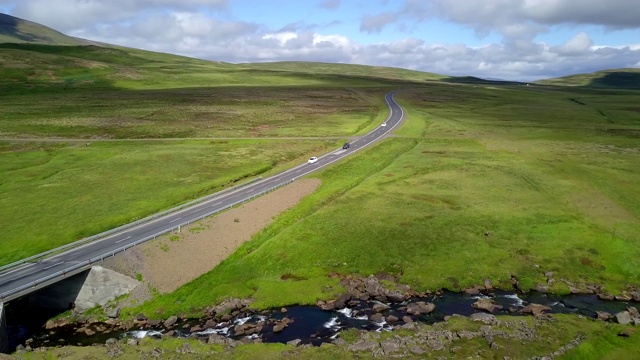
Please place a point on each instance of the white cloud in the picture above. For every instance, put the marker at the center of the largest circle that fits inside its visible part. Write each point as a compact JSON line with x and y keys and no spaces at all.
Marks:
{"x":70,"y":15}
{"x":375,"y":23}
{"x":576,"y":46}
{"x":207,"y":29}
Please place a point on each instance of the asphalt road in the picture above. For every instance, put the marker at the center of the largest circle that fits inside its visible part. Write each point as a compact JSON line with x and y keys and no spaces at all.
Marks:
{"x":23,"y":279}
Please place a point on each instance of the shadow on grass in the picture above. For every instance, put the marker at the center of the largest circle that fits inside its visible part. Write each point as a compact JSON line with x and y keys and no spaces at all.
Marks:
{"x":476,"y":80}
{"x":618,"y":80}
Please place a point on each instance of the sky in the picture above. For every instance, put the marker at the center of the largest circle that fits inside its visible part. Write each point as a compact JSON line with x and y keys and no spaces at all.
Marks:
{"x":522,"y":40}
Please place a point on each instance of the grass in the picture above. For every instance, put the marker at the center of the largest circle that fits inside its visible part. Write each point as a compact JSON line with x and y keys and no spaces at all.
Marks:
{"x":599,"y":341}
{"x":482,"y":181}
{"x":472,"y":187}
{"x":54,"y":193}
{"x":194,"y":112}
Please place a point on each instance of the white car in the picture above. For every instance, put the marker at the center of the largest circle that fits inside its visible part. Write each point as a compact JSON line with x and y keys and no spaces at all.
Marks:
{"x":312,"y":160}
{"x":383,"y":124}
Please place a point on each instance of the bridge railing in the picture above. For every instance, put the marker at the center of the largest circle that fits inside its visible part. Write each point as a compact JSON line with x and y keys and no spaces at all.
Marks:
{"x":76,"y":268}
{"x":123,"y":227}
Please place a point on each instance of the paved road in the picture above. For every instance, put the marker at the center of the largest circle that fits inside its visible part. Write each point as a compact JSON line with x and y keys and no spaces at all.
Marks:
{"x":21,"y":280}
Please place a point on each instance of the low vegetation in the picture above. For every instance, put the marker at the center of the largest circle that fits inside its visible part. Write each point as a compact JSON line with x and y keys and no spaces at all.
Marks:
{"x":483,"y":180}
{"x":54,"y":193}
{"x":471,"y":188}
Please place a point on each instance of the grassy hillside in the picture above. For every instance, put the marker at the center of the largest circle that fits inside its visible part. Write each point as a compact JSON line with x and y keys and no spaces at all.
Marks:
{"x":16,"y":30}
{"x":481,"y":182}
{"x":31,"y":68}
{"x":345,"y":71}
{"x":106,"y":93}
{"x":484,"y":179}
{"x":610,"y":79}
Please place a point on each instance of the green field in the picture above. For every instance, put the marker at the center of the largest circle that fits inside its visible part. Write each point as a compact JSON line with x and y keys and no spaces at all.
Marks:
{"x":54,"y":193}
{"x":472,"y":187}
{"x":482,"y":181}
{"x":91,"y":96}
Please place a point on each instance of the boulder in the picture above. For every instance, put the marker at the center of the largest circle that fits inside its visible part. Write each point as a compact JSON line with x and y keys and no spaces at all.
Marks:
{"x":396,"y":296}
{"x":605,"y":296}
{"x":488,"y":285}
{"x":326,"y":306}
{"x":623,"y":297}
{"x":603,"y":315}
{"x":112,"y":312}
{"x":52,"y":324}
{"x":380,"y":307}
{"x":623,"y":318}
{"x":341,"y":303}
{"x":132,"y":342}
{"x":243,"y":329}
{"x":420,"y":307}
{"x":210,"y":324}
{"x":294,"y":342}
{"x":339,"y":342}
{"x":372,"y":286}
{"x":471,"y":291}
{"x":535,"y":309}
{"x":542,"y":288}
{"x":549,"y":274}
{"x":633,"y":312}
{"x":231,"y":305}
{"x":515,"y":282}
{"x":574,"y":290}
{"x":216,"y":339}
{"x":485,"y":318}
{"x":486,"y":305}
{"x":363,"y":345}
{"x":377,"y":318}
{"x":392,"y":319}
{"x":390,"y":346}
{"x":170,"y":321}
{"x":281,"y":325}
{"x":407,"y":319}
{"x":593,"y":289}
{"x":195,"y":328}
{"x":635,"y":295}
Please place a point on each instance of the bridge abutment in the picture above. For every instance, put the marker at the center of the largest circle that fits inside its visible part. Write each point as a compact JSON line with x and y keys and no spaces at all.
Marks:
{"x":4,"y":336}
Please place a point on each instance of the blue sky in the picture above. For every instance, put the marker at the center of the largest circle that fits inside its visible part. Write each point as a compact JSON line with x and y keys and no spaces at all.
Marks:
{"x":506,"y":39}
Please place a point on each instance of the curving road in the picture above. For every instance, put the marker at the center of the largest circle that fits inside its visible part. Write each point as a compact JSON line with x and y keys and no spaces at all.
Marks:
{"x":28,"y":277}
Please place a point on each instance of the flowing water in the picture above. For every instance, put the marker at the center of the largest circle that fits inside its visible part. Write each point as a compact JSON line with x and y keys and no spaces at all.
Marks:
{"x":313,"y":325}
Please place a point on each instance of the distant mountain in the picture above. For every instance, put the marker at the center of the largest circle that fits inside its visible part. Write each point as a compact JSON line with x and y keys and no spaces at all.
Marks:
{"x":477,"y":80}
{"x":612,"y":79}
{"x":16,"y":30}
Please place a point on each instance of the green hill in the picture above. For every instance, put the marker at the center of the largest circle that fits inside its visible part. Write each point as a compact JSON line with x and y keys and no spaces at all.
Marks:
{"x":628,"y":78}
{"x":16,"y":30}
{"x":344,"y":70}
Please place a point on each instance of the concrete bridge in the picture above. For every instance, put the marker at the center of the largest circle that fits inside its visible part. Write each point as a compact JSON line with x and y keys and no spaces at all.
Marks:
{"x":94,"y":287}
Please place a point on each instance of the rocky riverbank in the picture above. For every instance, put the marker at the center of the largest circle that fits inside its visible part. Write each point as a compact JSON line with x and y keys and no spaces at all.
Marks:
{"x":372,"y":303}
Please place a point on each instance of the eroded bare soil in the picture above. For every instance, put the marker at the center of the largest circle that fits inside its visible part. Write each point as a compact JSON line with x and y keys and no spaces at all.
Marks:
{"x":166,"y":263}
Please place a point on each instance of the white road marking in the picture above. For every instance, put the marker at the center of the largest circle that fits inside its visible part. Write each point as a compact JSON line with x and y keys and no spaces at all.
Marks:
{"x":174,"y":220}
{"x":121,"y":240}
{"x":54,"y":265}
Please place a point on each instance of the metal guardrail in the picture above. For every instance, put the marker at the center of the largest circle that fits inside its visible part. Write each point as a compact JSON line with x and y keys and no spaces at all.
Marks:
{"x":85,"y":264}
{"x":124,"y":227}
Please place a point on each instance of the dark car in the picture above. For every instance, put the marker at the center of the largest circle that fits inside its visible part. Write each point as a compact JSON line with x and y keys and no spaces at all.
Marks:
{"x":346,"y":146}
